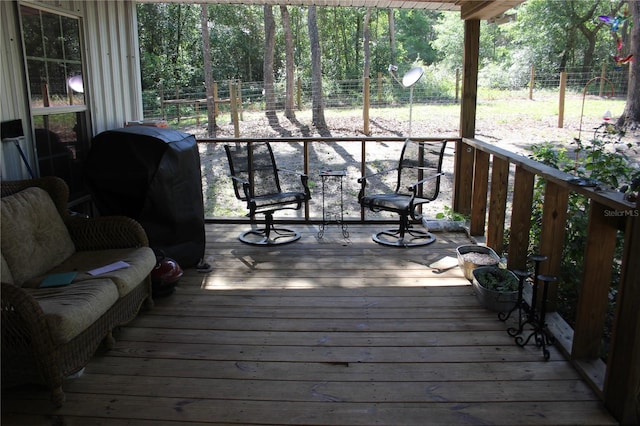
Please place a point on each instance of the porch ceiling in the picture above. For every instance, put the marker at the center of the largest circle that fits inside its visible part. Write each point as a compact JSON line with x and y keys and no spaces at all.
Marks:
{"x":469,"y":9}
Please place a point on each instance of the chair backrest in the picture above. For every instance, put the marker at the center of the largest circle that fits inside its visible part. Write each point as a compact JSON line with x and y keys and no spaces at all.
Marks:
{"x":254,"y":163}
{"x":420,"y":160}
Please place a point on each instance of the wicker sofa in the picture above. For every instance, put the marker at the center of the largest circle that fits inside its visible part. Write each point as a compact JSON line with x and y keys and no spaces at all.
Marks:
{"x":50,"y":333}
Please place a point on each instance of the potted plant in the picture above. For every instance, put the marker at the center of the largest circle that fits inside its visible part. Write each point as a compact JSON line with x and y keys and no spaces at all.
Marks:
{"x":495,"y":288}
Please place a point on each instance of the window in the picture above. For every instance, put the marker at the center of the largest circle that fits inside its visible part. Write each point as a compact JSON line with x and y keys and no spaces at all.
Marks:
{"x":53,"y":57}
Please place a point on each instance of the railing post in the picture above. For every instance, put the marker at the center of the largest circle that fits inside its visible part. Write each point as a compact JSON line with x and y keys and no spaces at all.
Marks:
{"x":498,"y":204}
{"x":554,"y":220}
{"x":521,"y":218}
{"x":623,"y":375}
{"x":363,"y":169}
{"x":305,"y":167}
{"x":596,"y":280}
{"x":463,"y":178}
{"x":463,"y":164}
{"x":479,"y":194}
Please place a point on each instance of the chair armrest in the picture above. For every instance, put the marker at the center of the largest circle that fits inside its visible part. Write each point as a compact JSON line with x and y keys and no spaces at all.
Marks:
{"x":363,"y":180}
{"x":237,"y":179}
{"x":415,"y":185}
{"x":246,"y":188}
{"x":305,"y":183}
{"x":304,"y":179}
{"x":382,"y":172}
{"x":106,"y":232}
{"x":291,"y":172}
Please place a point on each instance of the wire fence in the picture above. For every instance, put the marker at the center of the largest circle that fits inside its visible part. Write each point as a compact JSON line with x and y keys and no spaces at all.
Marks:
{"x":179,"y":103}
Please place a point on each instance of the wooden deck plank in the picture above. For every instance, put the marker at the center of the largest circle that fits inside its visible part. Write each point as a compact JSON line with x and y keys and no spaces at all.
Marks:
{"x":386,"y":372}
{"x":185,"y":411}
{"x":320,"y":332}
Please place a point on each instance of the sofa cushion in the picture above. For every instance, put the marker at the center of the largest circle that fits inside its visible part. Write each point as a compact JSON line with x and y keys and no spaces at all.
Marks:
{"x":34,"y":238}
{"x":5,"y":272}
{"x":141,"y":261}
{"x":71,"y":309}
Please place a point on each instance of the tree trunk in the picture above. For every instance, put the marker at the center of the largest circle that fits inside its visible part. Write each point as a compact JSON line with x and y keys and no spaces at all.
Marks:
{"x":366,"y":36}
{"x":630,"y":118}
{"x":269,"y":45}
{"x":208,"y":77}
{"x":289,"y":66}
{"x":392,"y":36}
{"x":317,"y":108}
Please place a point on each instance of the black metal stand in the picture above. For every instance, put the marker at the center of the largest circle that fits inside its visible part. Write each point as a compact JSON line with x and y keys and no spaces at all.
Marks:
{"x":521,"y":305}
{"x":339,"y":214}
{"x":528,"y":314}
{"x":539,"y":331}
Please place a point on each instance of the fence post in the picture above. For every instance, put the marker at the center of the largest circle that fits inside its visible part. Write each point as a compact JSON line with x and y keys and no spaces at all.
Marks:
{"x":603,"y":77}
{"x":457,"y":84}
{"x":365,"y":110}
{"x":162,"y":111}
{"x":177,"y":104}
{"x":379,"y":88}
{"x":532,"y":81}
{"x":299,"y":95}
{"x":234,"y":110}
{"x":563,"y":89}
{"x":216,"y":110}
{"x":239,"y":98}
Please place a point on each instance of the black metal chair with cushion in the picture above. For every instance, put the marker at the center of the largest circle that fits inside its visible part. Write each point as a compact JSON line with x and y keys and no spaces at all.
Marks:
{"x":418,"y":182}
{"x":256,"y":181}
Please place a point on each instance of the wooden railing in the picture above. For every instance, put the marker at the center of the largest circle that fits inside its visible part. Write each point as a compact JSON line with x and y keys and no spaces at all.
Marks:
{"x":367,"y":155}
{"x":481,"y":189}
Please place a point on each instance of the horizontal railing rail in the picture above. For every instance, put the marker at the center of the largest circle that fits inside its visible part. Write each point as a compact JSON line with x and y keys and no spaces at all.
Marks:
{"x":303,"y":158}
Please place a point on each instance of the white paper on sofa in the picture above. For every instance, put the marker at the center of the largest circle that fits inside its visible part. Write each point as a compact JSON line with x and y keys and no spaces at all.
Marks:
{"x":109,"y":268}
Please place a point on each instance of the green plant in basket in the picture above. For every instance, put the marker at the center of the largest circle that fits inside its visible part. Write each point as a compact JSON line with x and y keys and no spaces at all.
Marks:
{"x":497,"y":279}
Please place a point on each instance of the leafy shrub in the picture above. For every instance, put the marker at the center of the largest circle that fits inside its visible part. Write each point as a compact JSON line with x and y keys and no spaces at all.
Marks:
{"x":602,"y":160}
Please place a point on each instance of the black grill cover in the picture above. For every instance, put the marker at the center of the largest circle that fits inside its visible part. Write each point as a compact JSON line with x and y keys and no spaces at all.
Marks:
{"x":152,"y":175}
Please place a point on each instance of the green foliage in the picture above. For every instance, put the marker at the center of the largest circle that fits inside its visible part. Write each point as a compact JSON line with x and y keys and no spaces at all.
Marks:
{"x":449,"y":214}
{"x":415,"y":30}
{"x":548,"y":34}
{"x":552,"y":34}
{"x":599,"y":160}
{"x":496,"y":279}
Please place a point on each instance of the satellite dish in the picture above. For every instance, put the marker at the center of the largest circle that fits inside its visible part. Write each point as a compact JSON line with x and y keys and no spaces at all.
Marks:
{"x":412,"y":76}
{"x":76,"y":83}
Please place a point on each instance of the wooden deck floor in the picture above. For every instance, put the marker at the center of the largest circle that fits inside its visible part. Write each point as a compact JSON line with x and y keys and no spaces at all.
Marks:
{"x":319,"y":332}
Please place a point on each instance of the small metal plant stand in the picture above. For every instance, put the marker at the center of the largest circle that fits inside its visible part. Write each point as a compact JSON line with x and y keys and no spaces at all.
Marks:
{"x":332,"y":213}
{"x":530,"y":314}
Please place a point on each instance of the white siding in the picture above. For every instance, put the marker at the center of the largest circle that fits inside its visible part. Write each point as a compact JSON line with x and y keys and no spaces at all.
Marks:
{"x":13,"y":100}
{"x":112,"y":79}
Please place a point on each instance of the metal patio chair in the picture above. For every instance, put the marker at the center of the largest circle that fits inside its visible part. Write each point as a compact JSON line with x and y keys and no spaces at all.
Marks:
{"x":256,"y":181}
{"x":418,"y":182}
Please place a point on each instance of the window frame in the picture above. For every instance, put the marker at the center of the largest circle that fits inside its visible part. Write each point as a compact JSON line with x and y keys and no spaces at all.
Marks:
{"x":73,"y":170}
